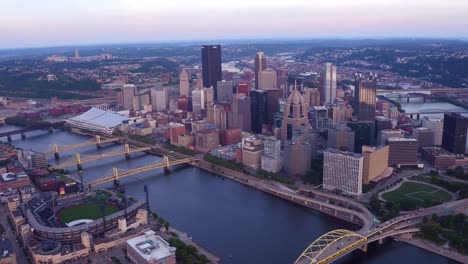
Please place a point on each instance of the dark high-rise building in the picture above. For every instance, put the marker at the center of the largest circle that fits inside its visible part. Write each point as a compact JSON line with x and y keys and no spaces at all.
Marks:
{"x":454,"y":135}
{"x":363,"y":134}
{"x":258,"y":109}
{"x":211,"y":66}
{"x":272,"y":104}
{"x":365,"y":97}
{"x":260,"y":65}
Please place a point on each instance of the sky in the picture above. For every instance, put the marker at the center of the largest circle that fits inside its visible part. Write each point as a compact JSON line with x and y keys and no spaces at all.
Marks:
{"x":42,"y":23}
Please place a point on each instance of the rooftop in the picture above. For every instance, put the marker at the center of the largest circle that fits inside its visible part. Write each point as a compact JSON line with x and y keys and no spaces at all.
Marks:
{"x":151,"y":247}
{"x":345,"y":153}
{"x":397,"y":139}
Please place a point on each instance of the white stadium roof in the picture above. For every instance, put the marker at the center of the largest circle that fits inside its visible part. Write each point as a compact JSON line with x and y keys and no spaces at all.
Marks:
{"x":97,"y":120}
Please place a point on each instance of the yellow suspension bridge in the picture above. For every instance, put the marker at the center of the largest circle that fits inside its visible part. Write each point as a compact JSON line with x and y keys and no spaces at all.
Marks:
{"x":97,"y":140}
{"x":79,"y":159}
{"x":115,"y":174}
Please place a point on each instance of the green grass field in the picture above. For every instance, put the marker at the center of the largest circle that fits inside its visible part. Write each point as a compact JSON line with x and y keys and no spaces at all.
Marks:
{"x":84,"y":211}
{"x":413,"y":192}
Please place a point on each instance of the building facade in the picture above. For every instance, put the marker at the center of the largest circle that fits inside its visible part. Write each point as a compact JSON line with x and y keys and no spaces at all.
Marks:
{"x":403,"y":151}
{"x":328,"y":80}
{"x":437,"y":127}
{"x":211,"y":66}
{"x":260,"y":65}
{"x":184,"y":88}
{"x":365,"y":97}
{"x":343,"y":171}
{"x":375,"y":162}
{"x":454,"y":134}
{"x":295,"y":115}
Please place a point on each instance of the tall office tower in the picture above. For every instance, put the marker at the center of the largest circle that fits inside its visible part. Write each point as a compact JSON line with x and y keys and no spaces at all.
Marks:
{"x":365,"y":97}
{"x":328,"y":81}
{"x":319,"y":118}
{"x":343,"y":171}
{"x":267,"y":79}
{"x":159,"y":100}
{"x":295,"y":115}
{"x":272,"y":104}
{"x":197,"y":101}
{"x":208,"y":94}
{"x":184,"y":83}
{"x":454,"y":135}
{"x":375,"y":163}
{"x":241,"y":114}
{"x":77,"y":54}
{"x":258,"y":109}
{"x":425,"y":137}
{"x":211,"y":66}
{"x":299,"y":151}
{"x":363,"y":134}
{"x":312,"y":96}
{"x":437,"y":126}
{"x":382,"y":123}
{"x":260,"y":65}
{"x":128,"y":92}
{"x":282,"y":78}
{"x":403,"y":151}
{"x":338,"y":112}
{"x":222,"y":114}
{"x":272,"y":160}
{"x":210,"y":113}
{"x":224,"y":91}
{"x":341,"y":137}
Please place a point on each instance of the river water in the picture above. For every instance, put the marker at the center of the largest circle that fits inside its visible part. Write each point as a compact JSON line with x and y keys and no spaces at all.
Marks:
{"x":239,"y":224}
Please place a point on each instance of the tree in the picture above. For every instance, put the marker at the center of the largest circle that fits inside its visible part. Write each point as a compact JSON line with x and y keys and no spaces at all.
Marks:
{"x":374,"y":204}
{"x":459,"y":172}
{"x":435,"y":217}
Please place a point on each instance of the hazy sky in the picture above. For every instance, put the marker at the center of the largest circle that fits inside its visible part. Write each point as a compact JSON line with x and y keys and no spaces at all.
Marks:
{"x":31,"y":23}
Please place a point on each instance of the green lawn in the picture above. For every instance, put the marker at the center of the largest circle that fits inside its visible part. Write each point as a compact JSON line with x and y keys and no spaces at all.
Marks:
{"x":417,"y":193}
{"x":84,"y":211}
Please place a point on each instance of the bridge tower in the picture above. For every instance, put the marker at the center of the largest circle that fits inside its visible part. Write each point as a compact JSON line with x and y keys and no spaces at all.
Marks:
{"x":56,"y":151}
{"x":9,"y":138}
{"x":98,"y":141}
{"x":115,"y":172}
{"x":167,"y":169}
{"x":23,"y":135}
{"x":79,"y":165}
{"x":127,"y":151}
{"x":51,"y":129}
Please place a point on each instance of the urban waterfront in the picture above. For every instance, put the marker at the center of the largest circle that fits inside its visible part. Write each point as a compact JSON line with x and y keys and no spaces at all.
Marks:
{"x":238,"y":223}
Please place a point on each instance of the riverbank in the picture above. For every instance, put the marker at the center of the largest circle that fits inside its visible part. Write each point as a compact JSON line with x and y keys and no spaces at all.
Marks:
{"x":201,"y":250}
{"x":431,"y":247}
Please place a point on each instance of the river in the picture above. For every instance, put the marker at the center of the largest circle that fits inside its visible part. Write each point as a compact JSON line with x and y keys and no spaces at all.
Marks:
{"x":239,"y":224}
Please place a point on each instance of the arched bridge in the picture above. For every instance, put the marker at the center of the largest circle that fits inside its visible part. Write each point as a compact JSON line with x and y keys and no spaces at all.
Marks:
{"x":337,"y":243}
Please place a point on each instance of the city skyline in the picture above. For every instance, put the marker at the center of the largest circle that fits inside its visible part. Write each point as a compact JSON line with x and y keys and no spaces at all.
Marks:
{"x":53,"y":23}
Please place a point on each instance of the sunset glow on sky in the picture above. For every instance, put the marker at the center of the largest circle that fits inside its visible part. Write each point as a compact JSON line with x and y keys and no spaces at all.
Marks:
{"x":31,"y":23}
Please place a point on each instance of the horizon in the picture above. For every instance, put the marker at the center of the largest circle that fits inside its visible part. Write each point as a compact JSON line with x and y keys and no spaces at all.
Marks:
{"x":53,"y":23}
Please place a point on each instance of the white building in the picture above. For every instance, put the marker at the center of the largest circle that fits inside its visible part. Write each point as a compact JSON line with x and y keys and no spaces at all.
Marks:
{"x":224,"y":91}
{"x":184,"y":83}
{"x":328,"y":91}
{"x":343,"y":171}
{"x":97,"y":120}
{"x":150,"y":248}
{"x":272,"y":160}
{"x":198,"y":101}
{"x":159,"y":100}
{"x":437,"y":126}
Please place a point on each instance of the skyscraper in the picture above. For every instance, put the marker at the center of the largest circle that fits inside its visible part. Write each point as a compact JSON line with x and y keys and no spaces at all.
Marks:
{"x":328,"y":92}
{"x":267,"y":79}
{"x":184,"y":83}
{"x":159,"y":100}
{"x":260,"y":65}
{"x":258,"y":108}
{"x":454,"y":135}
{"x":211,"y":66}
{"x":197,"y":101}
{"x":241,"y":114}
{"x":294,"y":116}
{"x":224,"y":91}
{"x":128,"y":92}
{"x":365,"y":97}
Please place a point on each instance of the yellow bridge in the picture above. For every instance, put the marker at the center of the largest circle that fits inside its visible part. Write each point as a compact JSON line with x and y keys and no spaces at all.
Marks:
{"x":79,"y":159}
{"x":97,"y":140}
{"x":116,"y":174}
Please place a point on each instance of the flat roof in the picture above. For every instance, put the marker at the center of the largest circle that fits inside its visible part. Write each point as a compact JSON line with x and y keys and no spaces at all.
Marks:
{"x":151,"y":247}
{"x":395,"y":139}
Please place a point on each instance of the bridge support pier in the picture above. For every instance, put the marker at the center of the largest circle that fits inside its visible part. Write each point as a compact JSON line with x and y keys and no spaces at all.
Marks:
{"x":23,"y":135}
{"x":9,"y":138}
{"x":407,"y":99}
{"x":127,"y":151}
{"x":418,"y":116}
{"x":51,"y":130}
{"x":56,"y":155}
{"x":167,"y":168}
{"x":56,"y":151}
{"x":363,"y":248}
{"x":380,"y":241}
{"x":98,"y":142}
{"x":79,"y":167}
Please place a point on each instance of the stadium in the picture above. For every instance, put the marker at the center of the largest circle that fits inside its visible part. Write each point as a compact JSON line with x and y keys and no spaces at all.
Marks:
{"x":96,"y":120}
{"x":65,"y":218}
